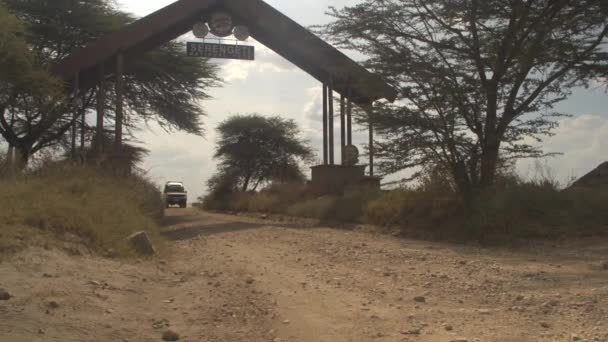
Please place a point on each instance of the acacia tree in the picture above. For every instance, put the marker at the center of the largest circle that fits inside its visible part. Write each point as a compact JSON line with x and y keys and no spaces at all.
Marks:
{"x":162,"y":86}
{"x":24,"y":84}
{"x":477,"y":80}
{"x":254,"y":150}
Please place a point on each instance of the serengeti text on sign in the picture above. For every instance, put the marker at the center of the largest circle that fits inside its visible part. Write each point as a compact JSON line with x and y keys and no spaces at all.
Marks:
{"x":209,"y":50}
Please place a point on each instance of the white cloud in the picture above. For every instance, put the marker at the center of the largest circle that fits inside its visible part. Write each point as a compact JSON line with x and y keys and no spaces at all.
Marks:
{"x":266,"y":61}
{"x":583,"y":140}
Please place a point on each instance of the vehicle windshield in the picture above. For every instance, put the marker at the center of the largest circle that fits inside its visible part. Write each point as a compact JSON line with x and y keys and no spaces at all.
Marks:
{"x":174,"y":188}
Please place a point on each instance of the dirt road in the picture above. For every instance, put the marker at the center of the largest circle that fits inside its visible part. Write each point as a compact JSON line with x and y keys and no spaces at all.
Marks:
{"x":226,"y":278}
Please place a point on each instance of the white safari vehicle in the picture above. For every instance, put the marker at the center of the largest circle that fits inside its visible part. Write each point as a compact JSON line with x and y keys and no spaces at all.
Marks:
{"x":175,"y":194}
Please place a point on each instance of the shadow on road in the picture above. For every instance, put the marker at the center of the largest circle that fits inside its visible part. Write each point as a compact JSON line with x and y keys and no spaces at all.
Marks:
{"x":179,"y":219}
{"x":186,"y":233}
{"x":183,"y":225}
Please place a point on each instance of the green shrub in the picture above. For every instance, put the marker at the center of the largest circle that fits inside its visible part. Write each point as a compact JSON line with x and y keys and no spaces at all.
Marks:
{"x":539,"y":209}
{"x":274,"y":199}
{"x":319,"y":208}
{"x":388,"y":208}
{"x":264,"y":202}
{"x":239,"y":201}
{"x":351,"y":206}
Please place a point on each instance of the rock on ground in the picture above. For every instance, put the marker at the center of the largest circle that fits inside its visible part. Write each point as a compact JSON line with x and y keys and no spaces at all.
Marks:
{"x":4,"y":295}
{"x":170,"y":335}
{"x":141,"y":243}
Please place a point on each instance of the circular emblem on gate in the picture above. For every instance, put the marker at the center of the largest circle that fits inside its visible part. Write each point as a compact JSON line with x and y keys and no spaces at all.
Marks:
{"x":241,"y":32}
{"x":221,"y":24}
{"x":351,"y":155}
{"x":200,"y":30}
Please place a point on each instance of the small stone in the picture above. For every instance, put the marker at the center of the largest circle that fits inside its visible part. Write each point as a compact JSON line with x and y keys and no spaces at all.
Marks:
{"x":411,"y":332}
{"x":420,"y":299}
{"x":286,"y":321}
{"x":574,"y":337}
{"x":41,"y":332}
{"x":484,"y":311}
{"x":604,"y":265}
{"x":448,"y":327}
{"x":544,"y":324}
{"x":170,"y":335}
{"x":160,"y":324}
{"x":249,"y":280}
{"x":52,"y":304}
{"x":4,"y":295}
{"x":551,"y":303}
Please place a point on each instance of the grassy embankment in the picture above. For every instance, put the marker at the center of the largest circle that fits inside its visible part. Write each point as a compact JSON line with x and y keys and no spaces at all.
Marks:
{"x":517,"y":210}
{"x":66,"y":203}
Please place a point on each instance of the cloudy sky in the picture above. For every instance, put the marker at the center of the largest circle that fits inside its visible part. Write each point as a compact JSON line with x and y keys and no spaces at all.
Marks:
{"x":273,"y":86}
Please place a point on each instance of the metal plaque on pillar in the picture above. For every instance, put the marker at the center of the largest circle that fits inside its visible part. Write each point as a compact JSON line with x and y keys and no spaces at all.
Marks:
{"x":351,"y":155}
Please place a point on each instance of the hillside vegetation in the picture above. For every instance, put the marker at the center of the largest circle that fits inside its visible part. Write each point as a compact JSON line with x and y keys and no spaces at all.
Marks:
{"x":76,"y":204}
{"x":515,"y":210}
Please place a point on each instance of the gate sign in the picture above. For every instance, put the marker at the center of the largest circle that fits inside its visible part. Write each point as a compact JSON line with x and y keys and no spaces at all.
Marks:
{"x":212,"y":50}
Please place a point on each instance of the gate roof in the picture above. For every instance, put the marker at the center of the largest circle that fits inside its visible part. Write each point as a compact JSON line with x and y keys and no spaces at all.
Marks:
{"x":266,"y":24}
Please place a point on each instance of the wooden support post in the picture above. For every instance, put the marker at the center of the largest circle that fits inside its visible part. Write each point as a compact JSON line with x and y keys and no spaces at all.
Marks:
{"x":101,"y":98}
{"x":83,"y":125}
{"x":325,"y":159}
{"x":119,"y":102}
{"x":76,"y":108}
{"x":342,"y":126}
{"x":349,"y":119}
{"x":330,"y":97}
{"x":371,"y":148}
{"x":369,"y":109}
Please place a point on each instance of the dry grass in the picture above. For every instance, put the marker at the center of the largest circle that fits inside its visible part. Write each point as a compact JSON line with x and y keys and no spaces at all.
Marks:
{"x":514,"y":211}
{"x":72,"y":201}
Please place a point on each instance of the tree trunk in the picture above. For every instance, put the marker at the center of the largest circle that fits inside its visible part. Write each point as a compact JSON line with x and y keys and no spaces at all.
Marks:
{"x":463,"y":182}
{"x":489,"y":161}
{"x":10,"y":155}
{"x":246,"y":183}
{"x":22,"y":157}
